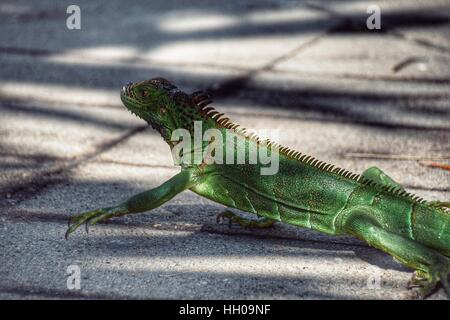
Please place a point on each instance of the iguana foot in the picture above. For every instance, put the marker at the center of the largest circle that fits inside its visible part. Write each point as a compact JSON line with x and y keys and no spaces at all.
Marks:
{"x":92,"y":217}
{"x":244,"y":222}
{"x":431,"y":266}
{"x":423,"y":283}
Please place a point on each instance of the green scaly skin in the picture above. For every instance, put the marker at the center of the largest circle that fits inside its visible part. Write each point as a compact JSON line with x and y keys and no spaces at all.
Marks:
{"x":305,"y":192}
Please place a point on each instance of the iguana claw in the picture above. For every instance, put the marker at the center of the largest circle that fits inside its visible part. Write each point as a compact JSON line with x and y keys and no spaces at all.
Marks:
{"x":92,"y":217}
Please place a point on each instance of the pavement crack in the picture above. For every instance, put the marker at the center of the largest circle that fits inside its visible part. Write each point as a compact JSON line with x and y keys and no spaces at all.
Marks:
{"x":236,"y":84}
{"x":422,"y":42}
{"x":356,"y":23}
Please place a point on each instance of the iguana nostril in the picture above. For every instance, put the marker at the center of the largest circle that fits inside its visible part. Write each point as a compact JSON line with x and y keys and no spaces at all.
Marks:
{"x":126,"y":87}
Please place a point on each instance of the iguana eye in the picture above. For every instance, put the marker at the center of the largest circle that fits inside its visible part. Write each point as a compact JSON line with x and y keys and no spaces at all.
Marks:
{"x":144,"y":93}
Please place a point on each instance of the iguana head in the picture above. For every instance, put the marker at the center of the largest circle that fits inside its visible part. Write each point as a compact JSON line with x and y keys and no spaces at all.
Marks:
{"x":161,"y":104}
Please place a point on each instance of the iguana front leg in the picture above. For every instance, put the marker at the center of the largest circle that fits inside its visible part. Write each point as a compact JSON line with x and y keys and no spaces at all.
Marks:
{"x":430,"y":266}
{"x":139,"y":203}
{"x":245,"y":222}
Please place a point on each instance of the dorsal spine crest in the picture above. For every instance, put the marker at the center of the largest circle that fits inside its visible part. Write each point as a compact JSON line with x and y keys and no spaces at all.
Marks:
{"x":224,"y":122}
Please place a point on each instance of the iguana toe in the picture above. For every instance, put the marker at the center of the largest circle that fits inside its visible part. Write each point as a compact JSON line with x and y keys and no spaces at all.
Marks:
{"x":76,"y":221}
{"x":226,"y":215}
{"x":100,"y":218}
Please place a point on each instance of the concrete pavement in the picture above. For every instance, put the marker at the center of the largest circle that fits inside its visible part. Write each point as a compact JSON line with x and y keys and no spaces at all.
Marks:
{"x":310,"y":69}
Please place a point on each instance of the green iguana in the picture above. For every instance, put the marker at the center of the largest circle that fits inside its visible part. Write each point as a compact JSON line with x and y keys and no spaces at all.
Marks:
{"x":305,"y":192}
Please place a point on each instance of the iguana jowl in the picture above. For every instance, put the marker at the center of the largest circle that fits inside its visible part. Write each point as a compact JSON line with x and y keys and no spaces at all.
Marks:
{"x":305,"y":192}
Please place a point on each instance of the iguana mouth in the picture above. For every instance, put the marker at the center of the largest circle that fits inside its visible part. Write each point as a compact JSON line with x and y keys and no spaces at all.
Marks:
{"x":127,"y":96}
{"x":126,"y":90}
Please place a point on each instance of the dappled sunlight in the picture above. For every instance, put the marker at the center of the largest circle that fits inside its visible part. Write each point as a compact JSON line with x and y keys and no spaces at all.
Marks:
{"x":104,"y":55}
{"x":56,"y":93}
{"x":183,"y":21}
{"x":277,"y":266}
{"x":312,"y":70}
{"x":242,"y":53}
{"x":189,"y":37}
{"x":118,"y":173}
